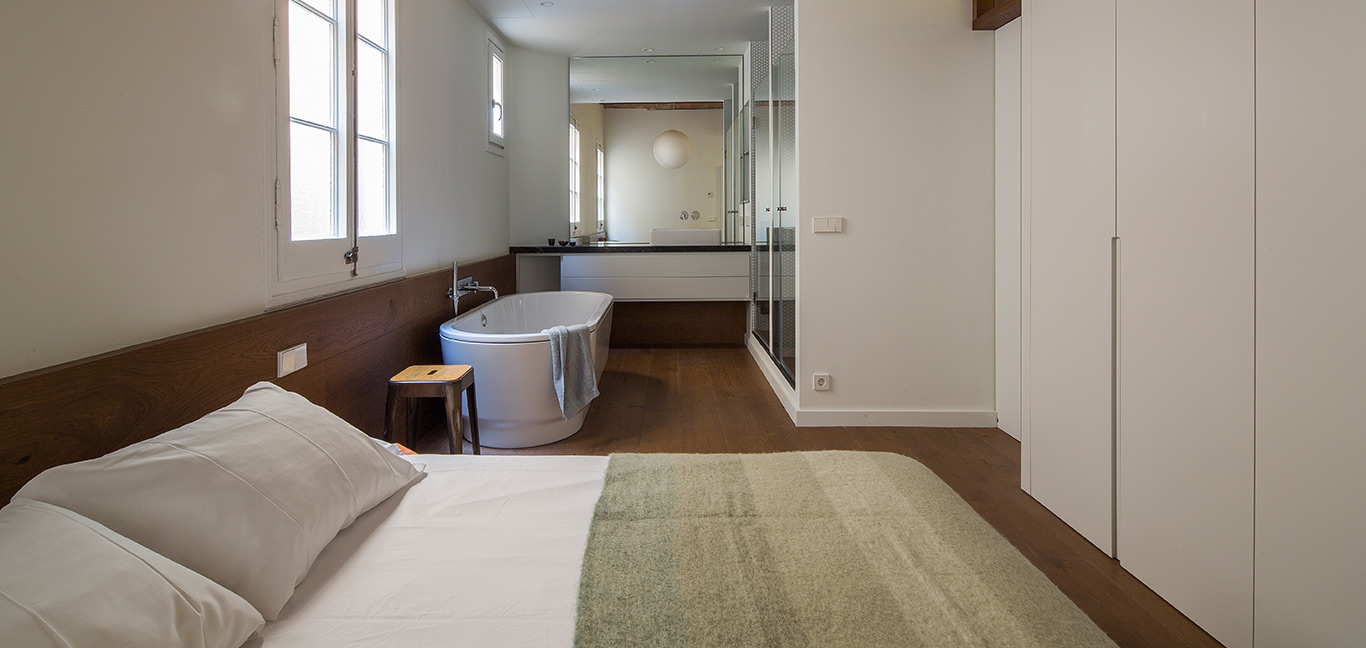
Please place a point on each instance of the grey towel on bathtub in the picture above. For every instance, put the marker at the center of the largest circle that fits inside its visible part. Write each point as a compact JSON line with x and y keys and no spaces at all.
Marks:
{"x":571,"y":366}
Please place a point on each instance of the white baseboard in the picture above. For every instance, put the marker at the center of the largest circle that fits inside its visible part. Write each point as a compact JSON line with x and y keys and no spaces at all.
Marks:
{"x":896,"y":418}
{"x":860,"y":418}
{"x":775,"y":377}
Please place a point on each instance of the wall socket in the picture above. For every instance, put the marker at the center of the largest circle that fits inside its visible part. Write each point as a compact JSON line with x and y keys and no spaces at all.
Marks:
{"x":820,"y":382}
{"x":291,"y":360}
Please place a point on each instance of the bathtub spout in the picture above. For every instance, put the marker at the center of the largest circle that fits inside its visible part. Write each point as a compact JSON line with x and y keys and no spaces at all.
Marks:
{"x":469,"y":285}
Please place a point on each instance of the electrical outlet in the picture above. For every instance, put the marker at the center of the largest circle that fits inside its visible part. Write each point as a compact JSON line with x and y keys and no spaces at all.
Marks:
{"x":291,"y":360}
{"x":820,"y":382}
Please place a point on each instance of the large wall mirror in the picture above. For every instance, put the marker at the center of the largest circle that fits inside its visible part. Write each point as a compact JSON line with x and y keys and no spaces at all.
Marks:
{"x":661,"y":136}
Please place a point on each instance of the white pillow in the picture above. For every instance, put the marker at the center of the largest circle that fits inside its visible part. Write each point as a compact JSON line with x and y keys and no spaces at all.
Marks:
{"x":66,"y":581}
{"x":247,"y":495}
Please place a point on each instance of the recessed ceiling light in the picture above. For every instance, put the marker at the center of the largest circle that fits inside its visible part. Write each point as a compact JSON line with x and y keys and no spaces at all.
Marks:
{"x":648,"y":49}
{"x":547,"y":3}
{"x":649,"y":61}
{"x":716,"y":60}
{"x":720,"y":49}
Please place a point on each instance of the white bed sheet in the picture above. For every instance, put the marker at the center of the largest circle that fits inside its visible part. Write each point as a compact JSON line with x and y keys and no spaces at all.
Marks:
{"x":485,"y":551}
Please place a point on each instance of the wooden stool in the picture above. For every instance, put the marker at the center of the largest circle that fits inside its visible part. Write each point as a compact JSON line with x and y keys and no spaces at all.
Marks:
{"x":432,"y":381}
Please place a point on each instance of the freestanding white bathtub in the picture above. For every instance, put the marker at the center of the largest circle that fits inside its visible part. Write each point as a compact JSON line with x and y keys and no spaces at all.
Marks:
{"x":502,"y":340}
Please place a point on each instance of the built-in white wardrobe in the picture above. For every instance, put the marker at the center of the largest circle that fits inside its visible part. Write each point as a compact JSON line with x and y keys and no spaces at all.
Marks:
{"x":1193,"y":305}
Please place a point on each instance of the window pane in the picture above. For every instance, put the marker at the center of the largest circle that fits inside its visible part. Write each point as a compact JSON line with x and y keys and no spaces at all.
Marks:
{"x":370,"y":21}
{"x":371,"y":79}
{"x":573,"y":173}
{"x":312,"y":155}
{"x":496,"y":95}
{"x":372,"y":185}
{"x":312,"y":57}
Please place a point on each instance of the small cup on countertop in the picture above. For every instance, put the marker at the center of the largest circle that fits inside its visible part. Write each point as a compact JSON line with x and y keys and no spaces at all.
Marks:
{"x":550,"y":241}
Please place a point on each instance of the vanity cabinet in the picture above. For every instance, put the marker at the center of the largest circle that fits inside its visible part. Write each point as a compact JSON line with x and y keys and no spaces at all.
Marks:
{"x":660,"y":276}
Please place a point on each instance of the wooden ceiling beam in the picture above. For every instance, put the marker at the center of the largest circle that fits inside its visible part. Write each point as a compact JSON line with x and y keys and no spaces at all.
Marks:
{"x":990,"y":15}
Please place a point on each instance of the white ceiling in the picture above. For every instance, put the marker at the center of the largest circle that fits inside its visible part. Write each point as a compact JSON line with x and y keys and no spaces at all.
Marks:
{"x":652,"y":79}
{"x":628,"y":27}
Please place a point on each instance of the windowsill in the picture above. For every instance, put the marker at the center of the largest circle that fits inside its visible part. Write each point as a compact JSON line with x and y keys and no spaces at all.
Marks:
{"x":496,"y":149}
{"x":313,"y":293}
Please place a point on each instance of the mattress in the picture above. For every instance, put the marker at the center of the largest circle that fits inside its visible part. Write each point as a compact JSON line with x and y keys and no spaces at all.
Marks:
{"x":485,"y":551}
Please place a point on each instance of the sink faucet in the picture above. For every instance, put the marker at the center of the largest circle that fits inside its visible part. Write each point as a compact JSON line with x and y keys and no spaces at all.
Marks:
{"x":467,"y":286}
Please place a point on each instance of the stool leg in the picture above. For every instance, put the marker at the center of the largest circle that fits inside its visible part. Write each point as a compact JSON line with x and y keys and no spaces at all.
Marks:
{"x":453,"y":417}
{"x":410,"y":422}
{"x":389,"y":415}
{"x":471,"y":401}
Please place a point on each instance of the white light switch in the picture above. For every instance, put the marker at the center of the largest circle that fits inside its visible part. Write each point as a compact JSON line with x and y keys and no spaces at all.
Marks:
{"x":830,"y":225}
{"x":291,"y":360}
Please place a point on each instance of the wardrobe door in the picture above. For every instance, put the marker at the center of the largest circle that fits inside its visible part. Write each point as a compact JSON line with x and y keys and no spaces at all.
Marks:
{"x":1311,"y":323}
{"x":1068,"y":89}
{"x":1185,"y":210}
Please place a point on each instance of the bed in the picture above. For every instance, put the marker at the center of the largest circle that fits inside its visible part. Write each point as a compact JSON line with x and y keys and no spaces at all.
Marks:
{"x":484,"y":551}
{"x":272,"y":523}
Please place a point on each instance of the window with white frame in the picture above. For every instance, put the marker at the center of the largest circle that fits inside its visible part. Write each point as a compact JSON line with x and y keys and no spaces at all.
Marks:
{"x":573,"y":177}
{"x":495,"y":104}
{"x":335,"y":220}
{"x":602,"y":213}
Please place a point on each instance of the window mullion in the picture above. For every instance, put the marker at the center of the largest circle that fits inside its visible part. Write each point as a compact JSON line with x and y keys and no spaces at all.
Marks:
{"x":371,"y":43}
{"x":348,"y":33}
{"x":305,"y":122}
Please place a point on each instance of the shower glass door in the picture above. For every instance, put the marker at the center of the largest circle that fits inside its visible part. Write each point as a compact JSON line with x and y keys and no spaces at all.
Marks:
{"x":761,"y":199}
{"x":783,"y":101}
{"x":773,"y":307}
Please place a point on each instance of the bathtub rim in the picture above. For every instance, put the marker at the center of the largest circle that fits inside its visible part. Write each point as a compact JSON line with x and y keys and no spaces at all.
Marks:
{"x":449,"y":332}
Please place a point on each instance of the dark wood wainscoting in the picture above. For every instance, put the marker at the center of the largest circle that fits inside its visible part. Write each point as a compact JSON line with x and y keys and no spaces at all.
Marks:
{"x":648,"y":324}
{"x":356,"y":341}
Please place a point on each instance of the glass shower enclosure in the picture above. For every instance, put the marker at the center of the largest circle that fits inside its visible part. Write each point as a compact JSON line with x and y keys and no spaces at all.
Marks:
{"x":773,"y":305}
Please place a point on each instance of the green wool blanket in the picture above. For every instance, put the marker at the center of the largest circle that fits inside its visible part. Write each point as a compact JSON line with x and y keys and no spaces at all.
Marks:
{"x":820,"y":549}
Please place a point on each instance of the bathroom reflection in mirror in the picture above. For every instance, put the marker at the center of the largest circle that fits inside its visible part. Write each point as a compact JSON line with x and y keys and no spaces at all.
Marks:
{"x":629,"y":105}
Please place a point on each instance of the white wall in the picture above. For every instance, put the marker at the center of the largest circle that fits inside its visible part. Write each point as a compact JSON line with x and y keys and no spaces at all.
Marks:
{"x":452,"y":192}
{"x":538,"y":145}
{"x":1008,"y":227}
{"x":641,"y":195}
{"x":899,"y":308}
{"x":137,"y":185}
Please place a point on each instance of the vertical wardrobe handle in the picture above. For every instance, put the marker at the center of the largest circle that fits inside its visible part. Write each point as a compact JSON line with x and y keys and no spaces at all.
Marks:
{"x":1114,"y":396}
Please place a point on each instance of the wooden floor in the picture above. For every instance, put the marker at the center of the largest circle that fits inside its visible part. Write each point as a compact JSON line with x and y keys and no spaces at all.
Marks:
{"x":716,"y":400}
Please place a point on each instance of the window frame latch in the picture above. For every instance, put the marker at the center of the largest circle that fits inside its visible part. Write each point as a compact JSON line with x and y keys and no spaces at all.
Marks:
{"x":352,"y":257}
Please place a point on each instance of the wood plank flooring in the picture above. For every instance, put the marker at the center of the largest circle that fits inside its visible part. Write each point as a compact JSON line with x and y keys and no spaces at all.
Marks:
{"x":716,"y":400}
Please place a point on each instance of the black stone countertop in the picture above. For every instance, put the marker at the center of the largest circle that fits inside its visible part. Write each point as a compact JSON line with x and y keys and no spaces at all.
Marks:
{"x":615,"y":246}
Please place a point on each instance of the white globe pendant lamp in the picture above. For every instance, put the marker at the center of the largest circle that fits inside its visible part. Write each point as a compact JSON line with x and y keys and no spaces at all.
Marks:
{"x":672,"y":149}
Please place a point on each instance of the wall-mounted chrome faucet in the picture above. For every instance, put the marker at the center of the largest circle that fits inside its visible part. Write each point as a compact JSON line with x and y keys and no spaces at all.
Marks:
{"x":467,"y":286}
